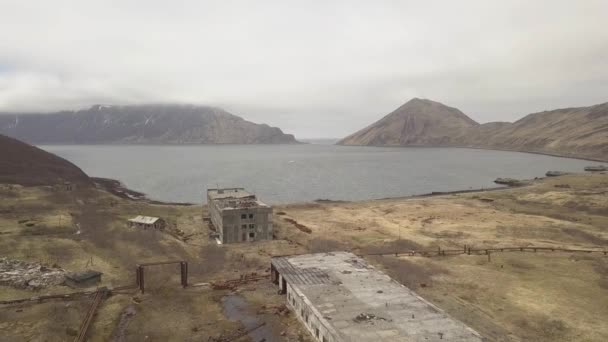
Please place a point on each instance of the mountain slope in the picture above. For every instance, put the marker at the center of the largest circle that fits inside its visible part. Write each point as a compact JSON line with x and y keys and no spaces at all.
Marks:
{"x":575,"y":132}
{"x":24,"y":164}
{"x":143,"y":124}
{"x":580,"y":132}
{"x":418,"y":122}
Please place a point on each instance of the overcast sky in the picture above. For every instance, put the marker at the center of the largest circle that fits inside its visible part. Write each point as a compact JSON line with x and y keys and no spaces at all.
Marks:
{"x":313,"y":68}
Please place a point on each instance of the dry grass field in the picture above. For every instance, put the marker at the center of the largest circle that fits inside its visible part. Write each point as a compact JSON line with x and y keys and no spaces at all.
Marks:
{"x":515,"y":296}
{"x":544,"y":296}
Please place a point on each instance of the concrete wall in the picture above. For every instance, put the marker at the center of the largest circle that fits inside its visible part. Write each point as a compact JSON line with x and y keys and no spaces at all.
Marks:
{"x":215,"y":215}
{"x":246,"y":225}
{"x":309,"y":317}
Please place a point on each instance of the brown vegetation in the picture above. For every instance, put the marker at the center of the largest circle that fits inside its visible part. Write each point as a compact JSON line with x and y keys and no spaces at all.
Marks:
{"x":24,"y":164}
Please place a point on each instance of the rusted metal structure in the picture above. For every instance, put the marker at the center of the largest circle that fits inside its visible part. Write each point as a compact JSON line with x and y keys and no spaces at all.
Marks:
{"x":100,"y":295}
{"x":139,"y":272}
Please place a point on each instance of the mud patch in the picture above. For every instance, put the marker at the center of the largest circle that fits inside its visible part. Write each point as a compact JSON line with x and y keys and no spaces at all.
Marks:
{"x":236,"y":308}
{"x":409,"y":273}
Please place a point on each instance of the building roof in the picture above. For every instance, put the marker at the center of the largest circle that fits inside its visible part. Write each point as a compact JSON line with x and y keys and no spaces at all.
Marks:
{"x":356,"y":302}
{"x":144,"y":219}
{"x":240,"y":203}
{"x":234,"y":198}
{"x":83,"y":276}
{"x":228,"y":193}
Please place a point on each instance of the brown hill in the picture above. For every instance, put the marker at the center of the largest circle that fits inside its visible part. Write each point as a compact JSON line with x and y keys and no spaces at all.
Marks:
{"x":24,"y":164}
{"x":573,"y":132}
{"x":576,"y":132}
{"x":418,"y":122}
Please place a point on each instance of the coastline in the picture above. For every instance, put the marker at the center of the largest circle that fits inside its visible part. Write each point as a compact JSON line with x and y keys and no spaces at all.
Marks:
{"x":117,"y":188}
{"x":545,"y":153}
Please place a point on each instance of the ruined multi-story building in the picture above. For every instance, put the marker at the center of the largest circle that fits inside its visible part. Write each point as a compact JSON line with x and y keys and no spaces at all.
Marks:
{"x":238,"y":216}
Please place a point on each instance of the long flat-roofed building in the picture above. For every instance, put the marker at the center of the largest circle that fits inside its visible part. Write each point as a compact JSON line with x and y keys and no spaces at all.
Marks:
{"x":238,"y":216}
{"x":339,"y":297}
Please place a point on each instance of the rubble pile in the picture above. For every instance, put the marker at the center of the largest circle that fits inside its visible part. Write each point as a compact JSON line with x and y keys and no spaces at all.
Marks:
{"x":29,"y":275}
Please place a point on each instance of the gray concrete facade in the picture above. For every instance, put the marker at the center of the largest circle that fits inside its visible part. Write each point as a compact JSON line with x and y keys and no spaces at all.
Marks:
{"x":339,"y":297}
{"x":239,"y":216}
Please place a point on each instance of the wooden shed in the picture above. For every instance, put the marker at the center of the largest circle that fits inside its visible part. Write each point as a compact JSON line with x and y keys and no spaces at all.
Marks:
{"x":146,"y":222}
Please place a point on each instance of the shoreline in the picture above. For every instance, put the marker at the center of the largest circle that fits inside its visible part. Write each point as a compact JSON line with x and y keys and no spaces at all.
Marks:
{"x":543,"y":153}
{"x":117,"y":188}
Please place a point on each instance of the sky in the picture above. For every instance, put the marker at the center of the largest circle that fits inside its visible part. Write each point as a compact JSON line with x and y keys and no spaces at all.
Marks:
{"x":317,"y":68}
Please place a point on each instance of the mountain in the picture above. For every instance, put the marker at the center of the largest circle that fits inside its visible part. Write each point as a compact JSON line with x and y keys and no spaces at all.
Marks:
{"x":141,"y":124}
{"x":575,"y":132}
{"x":572,"y":132}
{"x":418,"y":122}
{"x":28,"y":165}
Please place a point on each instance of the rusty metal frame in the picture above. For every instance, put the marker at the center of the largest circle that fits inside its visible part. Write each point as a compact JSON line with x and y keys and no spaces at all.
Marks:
{"x":139,"y":272}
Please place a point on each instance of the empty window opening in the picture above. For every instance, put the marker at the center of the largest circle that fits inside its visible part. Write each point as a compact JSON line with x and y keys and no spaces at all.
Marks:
{"x":243,"y":216}
{"x":250,"y":216}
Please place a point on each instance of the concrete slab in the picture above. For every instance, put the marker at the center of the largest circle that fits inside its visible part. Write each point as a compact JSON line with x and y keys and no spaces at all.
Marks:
{"x":339,"y":297}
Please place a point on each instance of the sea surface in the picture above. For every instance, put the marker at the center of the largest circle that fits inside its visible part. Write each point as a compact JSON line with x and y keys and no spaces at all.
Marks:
{"x":296,"y":173}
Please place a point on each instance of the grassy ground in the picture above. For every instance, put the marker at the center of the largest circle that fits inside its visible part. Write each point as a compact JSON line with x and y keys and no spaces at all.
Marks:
{"x":515,"y":296}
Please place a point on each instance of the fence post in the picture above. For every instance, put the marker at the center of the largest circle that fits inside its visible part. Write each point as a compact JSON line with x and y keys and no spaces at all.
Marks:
{"x":141,"y":279}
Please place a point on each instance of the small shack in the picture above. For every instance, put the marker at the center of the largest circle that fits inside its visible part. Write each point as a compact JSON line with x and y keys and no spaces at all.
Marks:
{"x":86,"y":278}
{"x":146,"y":222}
{"x":65,"y":186}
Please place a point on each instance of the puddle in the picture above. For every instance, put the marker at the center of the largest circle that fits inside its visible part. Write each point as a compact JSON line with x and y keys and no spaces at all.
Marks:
{"x":237,"y":309}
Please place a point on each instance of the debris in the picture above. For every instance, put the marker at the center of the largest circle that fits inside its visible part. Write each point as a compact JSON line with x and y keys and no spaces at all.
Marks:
{"x":27,"y":275}
{"x":367,"y":317}
{"x":279,"y":310}
{"x":555,"y":173}
{"x":232,"y":284}
{"x":120,"y":331}
{"x":598,"y":168}
{"x":300,"y":226}
{"x":484,"y":199}
{"x":508,"y":181}
{"x":562,"y":186}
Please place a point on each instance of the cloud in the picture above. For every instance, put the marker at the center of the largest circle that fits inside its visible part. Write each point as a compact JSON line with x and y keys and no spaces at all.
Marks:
{"x":316,"y":68}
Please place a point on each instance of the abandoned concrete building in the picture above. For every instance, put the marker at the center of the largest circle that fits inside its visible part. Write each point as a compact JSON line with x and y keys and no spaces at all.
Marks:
{"x":339,"y":297}
{"x":238,"y":216}
{"x":146,"y":222}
